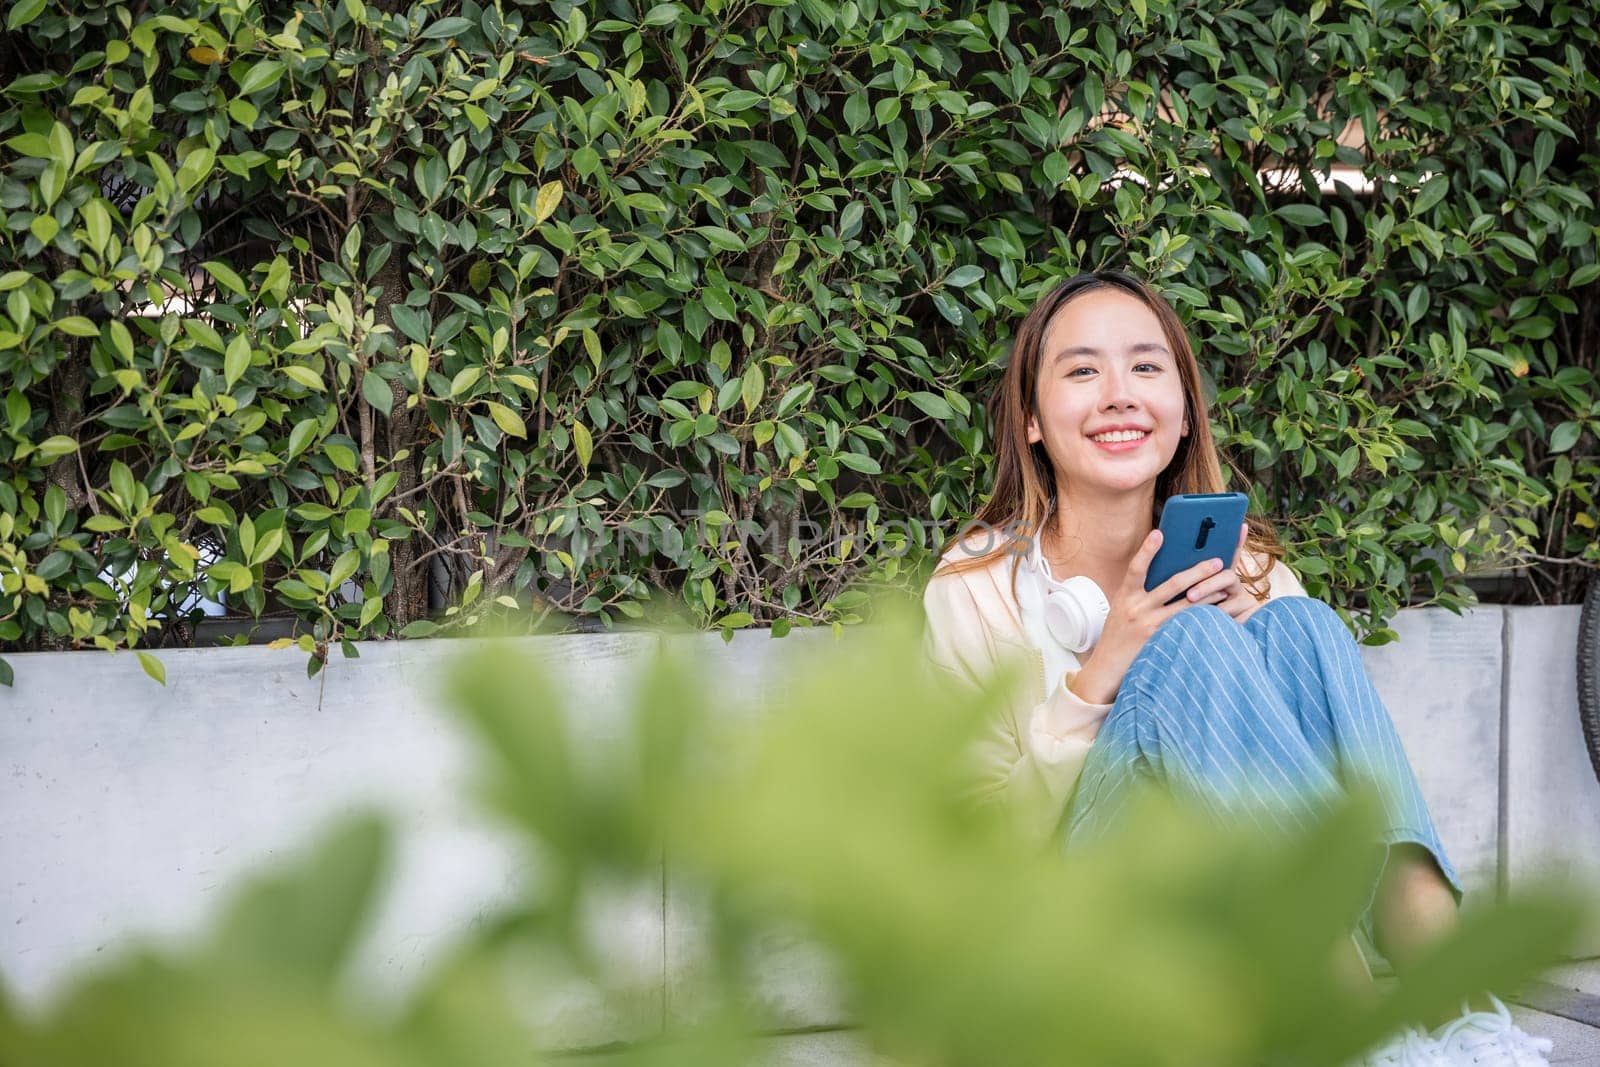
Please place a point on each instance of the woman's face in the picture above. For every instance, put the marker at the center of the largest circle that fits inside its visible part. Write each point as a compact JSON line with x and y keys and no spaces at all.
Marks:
{"x":1106,"y":366}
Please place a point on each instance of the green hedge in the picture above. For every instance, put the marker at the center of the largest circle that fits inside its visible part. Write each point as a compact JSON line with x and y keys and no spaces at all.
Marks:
{"x":509,"y":294}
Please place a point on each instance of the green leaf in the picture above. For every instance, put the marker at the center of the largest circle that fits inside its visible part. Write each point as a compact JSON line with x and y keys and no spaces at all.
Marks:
{"x":856,"y":111}
{"x":721,"y":239}
{"x":464,"y":380}
{"x":1565,"y":436}
{"x":794,"y":398}
{"x":586,"y":161}
{"x":508,"y":420}
{"x":962,"y":277}
{"x":268,"y":546}
{"x":33,"y":145}
{"x":22,"y":13}
{"x":859,"y":463}
{"x":226,"y":276}
{"x":237,"y":359}
{"x":1433,"y":191}
{"x":301,"y":436}
{"x":77,"y":326}
{"x":121,"y":340}
{"x":645,"y":202}
{"x":341,"y":457}
{"x":719,"y":303}
{"x":54,"y":565}
{"x":153,"y":667}
{"x":663,"y":15}
{"x":933,"y":404}
{"x":55,"y":447}
{"x":1582,"y":276}
{"x":264,"y":74}
{"x":1303,"y":214}
{"x":343,"y":567}
{"x":754,"y":386}
{"x":410,"y":322}
{"x":583,"y":443}
{"x":999,"y":19}
{"x":377,"y":392}
{"x":305,"y":376}
{"x":453,"y":26}
{"x":546,"y":202}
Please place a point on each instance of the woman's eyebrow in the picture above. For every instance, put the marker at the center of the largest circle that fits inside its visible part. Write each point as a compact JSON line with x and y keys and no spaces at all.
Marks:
{"x":1144,"y":348}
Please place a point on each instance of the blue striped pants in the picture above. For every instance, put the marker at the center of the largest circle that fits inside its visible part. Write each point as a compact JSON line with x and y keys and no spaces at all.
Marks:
{"x":1272,"y":717}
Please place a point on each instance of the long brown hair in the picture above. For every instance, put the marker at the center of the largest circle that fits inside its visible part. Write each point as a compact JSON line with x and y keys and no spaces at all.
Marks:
{"x":1024,"y":484}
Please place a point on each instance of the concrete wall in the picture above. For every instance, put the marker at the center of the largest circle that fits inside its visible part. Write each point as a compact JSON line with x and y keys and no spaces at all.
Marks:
{"x":128,"y":809}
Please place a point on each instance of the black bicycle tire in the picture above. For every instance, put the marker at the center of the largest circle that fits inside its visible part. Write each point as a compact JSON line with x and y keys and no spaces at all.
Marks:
{"x":1589,"y":671}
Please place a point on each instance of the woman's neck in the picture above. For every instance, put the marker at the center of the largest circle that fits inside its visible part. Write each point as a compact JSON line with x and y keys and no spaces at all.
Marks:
{"x":1098,"y":537}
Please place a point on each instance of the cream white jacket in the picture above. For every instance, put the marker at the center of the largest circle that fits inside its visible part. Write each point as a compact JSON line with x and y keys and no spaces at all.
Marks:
{"x":1031,"y":752}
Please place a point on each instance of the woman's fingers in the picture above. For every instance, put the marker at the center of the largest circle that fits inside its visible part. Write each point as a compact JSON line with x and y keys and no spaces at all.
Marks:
{"x":1164,"y":612}
{"x":1224,"y":581}
{"x":1179,"y":583}
{"x":1251,"y":606}
{"x":1139,"y":565}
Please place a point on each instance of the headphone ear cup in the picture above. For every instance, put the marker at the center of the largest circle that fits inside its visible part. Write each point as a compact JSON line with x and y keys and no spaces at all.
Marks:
{"x":1075,"y":612}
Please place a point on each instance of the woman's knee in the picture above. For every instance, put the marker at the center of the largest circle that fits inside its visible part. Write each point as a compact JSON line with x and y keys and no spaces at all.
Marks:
{"x":1304,"y":613}
{"x":1205,"y":622}
{"x":1204,"y":631}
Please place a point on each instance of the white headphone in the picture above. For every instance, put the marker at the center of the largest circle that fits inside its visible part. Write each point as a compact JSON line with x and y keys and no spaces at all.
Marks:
{"x":1074,"y":610}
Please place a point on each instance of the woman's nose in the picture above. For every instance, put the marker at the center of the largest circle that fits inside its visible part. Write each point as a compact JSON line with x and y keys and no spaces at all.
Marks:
{"x":1116,"y":389}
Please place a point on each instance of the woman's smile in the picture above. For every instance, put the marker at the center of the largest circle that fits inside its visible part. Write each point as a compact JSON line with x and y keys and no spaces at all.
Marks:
{"x":1121,"y":440}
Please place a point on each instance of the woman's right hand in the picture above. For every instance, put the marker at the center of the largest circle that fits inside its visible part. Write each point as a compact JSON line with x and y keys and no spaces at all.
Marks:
{"x":1135,"y":615}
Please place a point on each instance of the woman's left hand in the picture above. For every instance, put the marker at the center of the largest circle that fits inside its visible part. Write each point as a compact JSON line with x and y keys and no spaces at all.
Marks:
{"x":1226,"y":589}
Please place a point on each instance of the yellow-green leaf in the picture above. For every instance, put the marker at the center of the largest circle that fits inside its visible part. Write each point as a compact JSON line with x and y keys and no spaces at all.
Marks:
{"x":510,"y":421}
{"x":237,"y":359}
{"x":545,"y":204}
{"x":153,"y":667}
{"x":465,"y":379}
{"x":583,"y":443}
{"x":77,"y":326}
{"x":305,"y":376}
{"x":754,"y":385}
{"x":57,"y":446}
{"x":121,"y":339}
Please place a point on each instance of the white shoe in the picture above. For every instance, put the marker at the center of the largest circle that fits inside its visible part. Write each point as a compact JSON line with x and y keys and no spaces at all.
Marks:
{"x":1491,"y":1038}
{"x":1410,"y":1047}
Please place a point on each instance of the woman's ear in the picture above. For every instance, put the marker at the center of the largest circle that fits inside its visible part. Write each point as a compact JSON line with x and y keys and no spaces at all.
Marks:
{"x":1034,"y":436}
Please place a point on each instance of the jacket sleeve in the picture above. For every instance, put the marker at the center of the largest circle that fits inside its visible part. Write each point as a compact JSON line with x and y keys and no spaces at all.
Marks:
{"x":1028,"y":755}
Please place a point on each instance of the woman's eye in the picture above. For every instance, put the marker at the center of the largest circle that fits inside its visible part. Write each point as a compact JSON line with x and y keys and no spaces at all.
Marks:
{"x":1074,"y":372}
{"x":1152,"y":366}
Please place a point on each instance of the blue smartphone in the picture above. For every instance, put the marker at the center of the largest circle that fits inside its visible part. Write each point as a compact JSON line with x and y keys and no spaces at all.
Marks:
{"x":1195,"y":527}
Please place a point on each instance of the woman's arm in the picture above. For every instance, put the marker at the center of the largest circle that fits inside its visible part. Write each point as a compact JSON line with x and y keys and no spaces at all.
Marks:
{"x":1028,"y":755}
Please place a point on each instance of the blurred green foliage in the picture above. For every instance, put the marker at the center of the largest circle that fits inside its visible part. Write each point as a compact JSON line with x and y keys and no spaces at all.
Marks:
{"x":571,"y":305}
{"x":837,"y":810}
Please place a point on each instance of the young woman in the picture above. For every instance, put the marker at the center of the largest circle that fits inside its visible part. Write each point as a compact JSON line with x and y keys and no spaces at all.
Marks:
{"x":1244,"y":695}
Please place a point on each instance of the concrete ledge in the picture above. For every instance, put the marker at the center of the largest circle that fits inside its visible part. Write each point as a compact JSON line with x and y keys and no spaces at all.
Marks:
{"x":129,"y":808}
{"x":1442,"y":685}
{"x":1552,"y":799}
